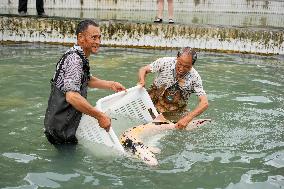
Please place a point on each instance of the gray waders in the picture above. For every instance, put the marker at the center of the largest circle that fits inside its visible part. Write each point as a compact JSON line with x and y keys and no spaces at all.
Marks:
{"x":61,"y":118}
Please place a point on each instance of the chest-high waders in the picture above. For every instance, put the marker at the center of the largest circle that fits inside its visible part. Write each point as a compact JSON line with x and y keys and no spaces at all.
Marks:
{"x":61,"y":118}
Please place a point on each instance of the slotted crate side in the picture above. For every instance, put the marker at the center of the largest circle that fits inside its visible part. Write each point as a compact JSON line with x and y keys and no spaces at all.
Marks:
{"x":134,"y":103}
{"x":135,"y":109}
{"x":89,"y":129}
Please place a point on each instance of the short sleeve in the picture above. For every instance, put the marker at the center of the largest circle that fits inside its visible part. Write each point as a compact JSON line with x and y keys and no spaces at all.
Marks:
{"x":73,"y":73}
{"x":197,"y":86}
{"x":157,"y":65}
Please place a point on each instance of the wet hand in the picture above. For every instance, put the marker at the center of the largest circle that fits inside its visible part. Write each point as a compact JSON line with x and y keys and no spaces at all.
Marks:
{"x":142,"y":83}
{"x":116,"y":87}
{"x":104,"y":122}
{"x":183,"y":122}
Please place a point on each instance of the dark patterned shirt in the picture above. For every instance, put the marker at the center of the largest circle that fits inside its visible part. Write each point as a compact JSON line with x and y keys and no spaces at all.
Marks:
{"x":165,"y":69}
{"x":70,"y":76}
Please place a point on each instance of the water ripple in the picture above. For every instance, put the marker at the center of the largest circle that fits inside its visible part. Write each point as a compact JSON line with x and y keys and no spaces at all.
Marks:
{"x":22,"y":158}
{"x":267,"y":82}
{"x":48,"y":179}
{"x":276,"y":159}
{"x":247,"y":181}
{"x":253,"y":99}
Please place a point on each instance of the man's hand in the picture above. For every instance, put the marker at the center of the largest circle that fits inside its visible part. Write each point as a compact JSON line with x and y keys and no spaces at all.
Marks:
{"x":202,"y":106}
{"x":142,"y":75}
{"x":116,"y":87}
{"x":142,"y":83}
{"x":183,"y":122}
{"x":104,"y":121}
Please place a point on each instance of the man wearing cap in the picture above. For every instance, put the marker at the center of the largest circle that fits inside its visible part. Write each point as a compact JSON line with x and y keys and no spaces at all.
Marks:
{"x":68,"y":97}
{"x":176,"y":79}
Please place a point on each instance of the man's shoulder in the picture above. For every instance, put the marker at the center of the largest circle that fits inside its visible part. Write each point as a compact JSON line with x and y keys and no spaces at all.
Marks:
{"x":194,"y":73}
{"x":72,"y":54}
{"x":72,"y":61}
{"x":168,"y":59}
{"x":193,"y":70}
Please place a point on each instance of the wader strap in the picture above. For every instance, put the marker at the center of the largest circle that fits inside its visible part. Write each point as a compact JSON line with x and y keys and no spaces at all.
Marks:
{"x":61,"y":62}
{"x":86,"y":67}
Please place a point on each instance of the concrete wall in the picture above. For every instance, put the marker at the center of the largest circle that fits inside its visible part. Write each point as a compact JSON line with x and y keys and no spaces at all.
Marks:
{"x":256,"y":6}
{"x":128,"y":34}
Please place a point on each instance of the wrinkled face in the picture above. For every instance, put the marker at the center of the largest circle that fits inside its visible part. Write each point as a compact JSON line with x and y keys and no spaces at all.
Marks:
{"x":90,"y":39}
{"x":184,"y":64}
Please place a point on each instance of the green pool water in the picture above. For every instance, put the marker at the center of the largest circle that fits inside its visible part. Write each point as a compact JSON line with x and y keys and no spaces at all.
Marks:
{"x":242,"y":148}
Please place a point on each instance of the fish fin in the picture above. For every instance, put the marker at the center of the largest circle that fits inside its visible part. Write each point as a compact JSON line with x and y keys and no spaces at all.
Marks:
{"x":146,"y":155}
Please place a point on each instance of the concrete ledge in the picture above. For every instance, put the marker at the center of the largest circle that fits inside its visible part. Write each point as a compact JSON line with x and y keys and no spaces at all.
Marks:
{"x":146,"y":35}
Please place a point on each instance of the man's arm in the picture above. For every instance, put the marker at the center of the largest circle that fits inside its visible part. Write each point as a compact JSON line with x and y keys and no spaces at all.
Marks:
{"x":201,"y":107}
{"x":142,"y":75}
{"x":104,"y":84}
{"x":82,"y":105}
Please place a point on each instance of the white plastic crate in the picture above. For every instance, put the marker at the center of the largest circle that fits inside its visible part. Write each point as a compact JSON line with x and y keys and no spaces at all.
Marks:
{"x":135,"y":103}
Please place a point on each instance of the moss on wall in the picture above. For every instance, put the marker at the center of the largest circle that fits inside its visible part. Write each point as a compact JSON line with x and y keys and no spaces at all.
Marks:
{"x":118,"y":33}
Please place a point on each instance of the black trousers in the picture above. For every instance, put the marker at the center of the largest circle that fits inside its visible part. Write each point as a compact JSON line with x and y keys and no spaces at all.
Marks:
{"x":24,"y":3}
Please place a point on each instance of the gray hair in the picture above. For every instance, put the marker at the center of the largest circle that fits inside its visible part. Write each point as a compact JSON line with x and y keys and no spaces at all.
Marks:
{"x":188,"y":51}
{"x":83,"y":25}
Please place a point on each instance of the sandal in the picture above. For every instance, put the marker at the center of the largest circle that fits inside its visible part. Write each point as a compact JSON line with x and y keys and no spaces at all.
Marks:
{"x":171,"y":21}
{"x":158,"y":20}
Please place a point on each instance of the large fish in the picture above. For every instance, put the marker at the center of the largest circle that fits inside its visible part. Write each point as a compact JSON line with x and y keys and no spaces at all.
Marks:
{"x":132,"y":138}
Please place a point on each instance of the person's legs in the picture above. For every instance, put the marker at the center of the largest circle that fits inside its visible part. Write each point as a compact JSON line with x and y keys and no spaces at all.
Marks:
{"x":39,"y":7}
{"x":171,"y":11}
{"x":160,"y":8}
{"x":160,"y":11}
{"x":22,"y":8}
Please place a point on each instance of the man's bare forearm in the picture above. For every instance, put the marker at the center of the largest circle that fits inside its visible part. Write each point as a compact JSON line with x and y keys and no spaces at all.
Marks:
{"x":142,"y":74}
{"x":82,"y":105}
{"x":201,"y":107}
{"x":99,"y":83}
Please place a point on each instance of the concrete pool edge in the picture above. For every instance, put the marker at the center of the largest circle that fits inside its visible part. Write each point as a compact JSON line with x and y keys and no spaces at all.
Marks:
{"x":117,"y":33}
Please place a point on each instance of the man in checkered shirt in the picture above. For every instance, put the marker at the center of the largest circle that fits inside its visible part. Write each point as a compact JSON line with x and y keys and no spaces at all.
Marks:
{"x":69,"y":86}
{"x":176,"y":79}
